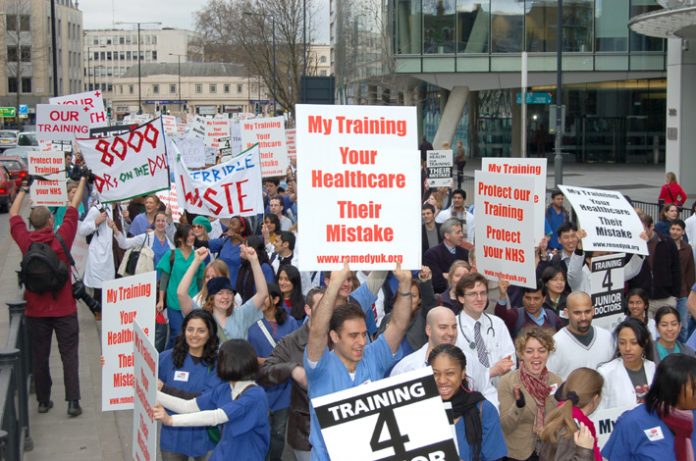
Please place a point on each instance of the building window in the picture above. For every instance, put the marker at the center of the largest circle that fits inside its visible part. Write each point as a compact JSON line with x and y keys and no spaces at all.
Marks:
{"x":155,"y":88}
{"x":240,"y":87}
{"x":108,"y":55}
{"x":128,"y":56}
{"x":121,"y":40}
{"x":213,"y":88}
{"x":154,"y":55}
{"x":58,"y":29}
{"x":25,"y":22}
{"x":11,"y":22}
{"x":172,"y":88}
{"x":11,"y":85}
{"x":110,"y":87}
{"x":199,"y":88}
{"x":226,"y":88}
{"x":130,"y":89}
{"x":26,"y":84}
{"x":154,"y":39}
{"x":322,"y":73}
{"x":12,"y":54}
{"x":322,"y":59}
{"x":25,"y":52}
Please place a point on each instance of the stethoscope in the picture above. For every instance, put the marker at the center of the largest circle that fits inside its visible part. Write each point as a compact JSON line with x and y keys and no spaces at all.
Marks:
{"x":472,"y":344}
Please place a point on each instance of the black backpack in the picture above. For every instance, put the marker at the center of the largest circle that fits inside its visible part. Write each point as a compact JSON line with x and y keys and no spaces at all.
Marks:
{"x":41,"y":269}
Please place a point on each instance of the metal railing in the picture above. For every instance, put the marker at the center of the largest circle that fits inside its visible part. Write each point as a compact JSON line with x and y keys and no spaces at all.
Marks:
{"x":15,"y":381}
{"x":653,"y":209}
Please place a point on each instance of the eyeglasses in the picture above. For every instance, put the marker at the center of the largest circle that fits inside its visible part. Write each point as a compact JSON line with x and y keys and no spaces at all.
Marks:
{"x":197,"y":226}
{"x":476,"y":294}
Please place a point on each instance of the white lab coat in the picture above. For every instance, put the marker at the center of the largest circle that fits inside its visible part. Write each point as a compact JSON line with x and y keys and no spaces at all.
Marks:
{"x":618,"y":390}
{"x":100,"y":259}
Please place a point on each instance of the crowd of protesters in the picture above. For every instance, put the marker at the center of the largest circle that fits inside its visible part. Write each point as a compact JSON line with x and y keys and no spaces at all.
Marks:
{"x":247,"y":339}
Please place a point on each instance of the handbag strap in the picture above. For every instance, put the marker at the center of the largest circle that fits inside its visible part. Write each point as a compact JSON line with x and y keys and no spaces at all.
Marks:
{"x":266,"y":333}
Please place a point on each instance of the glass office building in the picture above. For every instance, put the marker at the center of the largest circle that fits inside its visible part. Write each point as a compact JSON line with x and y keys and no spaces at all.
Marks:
{"x":614,"y":87}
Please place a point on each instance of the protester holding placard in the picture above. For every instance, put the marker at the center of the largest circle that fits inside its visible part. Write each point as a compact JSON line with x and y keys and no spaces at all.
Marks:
{"x":238,"y":404}
{"x":172,"y":269}
{"x":50,"y":310}
{"x":352,"y":361}
{"x":628,"y":377}
{"x":264,"y":335}
{"x":526,"y":395}
{"x":144,"y":221}
{"x":568,"y":434}
{"x":475,"y":419}
{"x":668,"y":327}
{"x":187,"y":371}
{"x":663,"y":427}
{"x":233,"y":321}
{"x":246,"y":284}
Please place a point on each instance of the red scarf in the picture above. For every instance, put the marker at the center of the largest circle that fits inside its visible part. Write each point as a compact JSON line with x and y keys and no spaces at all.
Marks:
{"x":580,"y":417}
{"x":539,"y":389}
{"x":681,"y":423}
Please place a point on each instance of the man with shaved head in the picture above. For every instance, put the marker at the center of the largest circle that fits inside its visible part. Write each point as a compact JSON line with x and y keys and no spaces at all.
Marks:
{"x":580,"y":344}
{"x":440,"y":328}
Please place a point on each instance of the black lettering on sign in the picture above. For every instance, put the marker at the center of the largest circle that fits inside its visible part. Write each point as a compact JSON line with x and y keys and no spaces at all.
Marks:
{"x":376,"y":402}
{"x":440,"y":451}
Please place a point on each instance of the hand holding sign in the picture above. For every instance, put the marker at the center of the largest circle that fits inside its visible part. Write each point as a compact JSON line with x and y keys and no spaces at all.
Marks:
{"x":161,"y":415}
{"x":583,"y":437}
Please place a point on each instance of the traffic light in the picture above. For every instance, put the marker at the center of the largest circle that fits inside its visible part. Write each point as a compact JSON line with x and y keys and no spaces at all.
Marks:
{"x":108,"y":111}
{"x":157,"y":108}
{"x":164,"y":110}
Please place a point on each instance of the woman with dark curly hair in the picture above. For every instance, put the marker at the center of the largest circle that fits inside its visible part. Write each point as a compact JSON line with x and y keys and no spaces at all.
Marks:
{"x":186,"y":371}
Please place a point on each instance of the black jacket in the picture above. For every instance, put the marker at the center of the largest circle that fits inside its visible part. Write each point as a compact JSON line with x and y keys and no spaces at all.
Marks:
{"x":664,"y":278}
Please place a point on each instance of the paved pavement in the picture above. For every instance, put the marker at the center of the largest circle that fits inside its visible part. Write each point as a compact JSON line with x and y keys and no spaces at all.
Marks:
{"x":107,"y":436}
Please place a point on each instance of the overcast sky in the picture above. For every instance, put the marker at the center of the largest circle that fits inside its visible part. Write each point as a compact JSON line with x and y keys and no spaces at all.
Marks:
{"x":101,"y":14}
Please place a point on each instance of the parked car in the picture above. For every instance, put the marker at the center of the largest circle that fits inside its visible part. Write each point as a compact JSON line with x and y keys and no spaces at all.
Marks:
{"x":27,"y":138}
{"x":16,"y":166}
{"x":8,"y":139}
{"x":8,"y":190}
{"x":21,"y":152}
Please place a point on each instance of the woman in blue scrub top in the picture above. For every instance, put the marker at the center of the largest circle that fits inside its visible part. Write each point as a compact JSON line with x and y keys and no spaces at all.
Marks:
{"x":663,"y":427}
{"x":668,"y":327}
{"x":476,"y":421}
{"x":239,"y":404}
{"x":264,"y":335}
{"x":186,"y":371}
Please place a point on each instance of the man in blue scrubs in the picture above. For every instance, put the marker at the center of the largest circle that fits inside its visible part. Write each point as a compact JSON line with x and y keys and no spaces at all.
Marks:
{"x":352,"y":361}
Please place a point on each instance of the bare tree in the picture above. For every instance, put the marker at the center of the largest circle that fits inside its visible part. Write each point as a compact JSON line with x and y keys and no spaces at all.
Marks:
{"x":243,"y":31}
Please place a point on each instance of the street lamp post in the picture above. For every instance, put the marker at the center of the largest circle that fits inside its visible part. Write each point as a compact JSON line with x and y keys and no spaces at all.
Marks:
{"x":274,"y":91}
{"x":558,"y":157}
{"x":140,"y":99}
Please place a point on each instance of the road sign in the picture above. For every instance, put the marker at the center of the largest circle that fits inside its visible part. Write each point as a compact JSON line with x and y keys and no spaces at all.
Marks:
{"x":535,"y":98}
{"x":23,"y":111}
{"x":7,"y":111}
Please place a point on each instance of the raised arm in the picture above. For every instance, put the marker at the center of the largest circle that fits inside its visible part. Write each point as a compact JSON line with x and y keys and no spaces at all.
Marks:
{"x":319,"y":327}
{"x":182,"y":291}
{"x":401,"y":312}
{"x":259,"y":278}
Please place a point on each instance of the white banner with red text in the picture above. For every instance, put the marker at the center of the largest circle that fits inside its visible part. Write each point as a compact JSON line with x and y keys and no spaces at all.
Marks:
{"x":90,"y":99}
{"x":128,"y":165}
{"x":229,"y":189}
{"x":124,"y":300}
{"x":359,"y":178}
{"x":145,"y":361}
{"x":503,"y":211}
{"x":269,"y":133}
{"x":52,"y":190}
{"x":56,"y":122}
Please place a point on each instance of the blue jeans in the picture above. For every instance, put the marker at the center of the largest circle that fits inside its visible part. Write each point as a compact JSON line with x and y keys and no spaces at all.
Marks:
{"x":684,"y":318}
{"x":175,"y":322}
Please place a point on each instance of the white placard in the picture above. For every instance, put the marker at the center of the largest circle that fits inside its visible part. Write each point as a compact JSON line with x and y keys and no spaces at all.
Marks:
{"x":290,"y":141}
{"x":610,"y":221}
{"x":354,"y":419}
{"x":91,"y":99}
{"x":440,"y":163}
{"x":359,"y":179}
{"x":50,"y":165}
{"x":604,"y":421}
{"x":169,"y":199}
{"x":55,"y":122}
{"x":269,"y":133}
{"x":230,"y":189}
{"x":169,"y":125}
{"x":198,"y":127}
{"x":214,"y":130}
{"x":503,"y":213}
{"x":606,"y":289}
{"x":130,"y":164}
{"x":145,"y":358}
{"x":534,"y":168}
{"x":235,"y":137}
{"x":122,"y":301}
{"x":192,"y":149}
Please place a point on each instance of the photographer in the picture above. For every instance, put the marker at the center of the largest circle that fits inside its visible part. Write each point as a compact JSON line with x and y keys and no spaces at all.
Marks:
{"x":47,"y":311}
